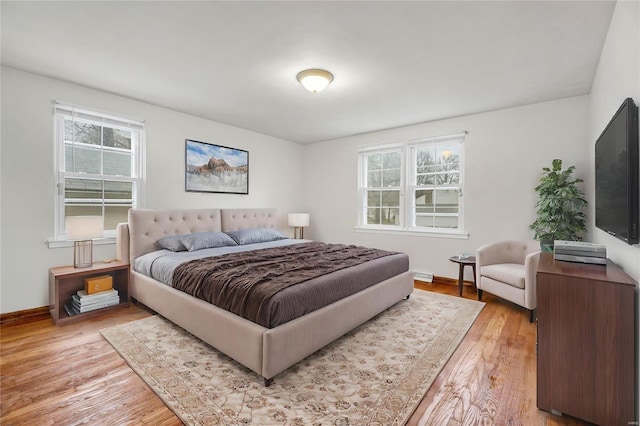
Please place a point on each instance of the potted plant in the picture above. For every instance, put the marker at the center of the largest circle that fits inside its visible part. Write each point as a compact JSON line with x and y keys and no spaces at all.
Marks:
{"x":559,"y":208}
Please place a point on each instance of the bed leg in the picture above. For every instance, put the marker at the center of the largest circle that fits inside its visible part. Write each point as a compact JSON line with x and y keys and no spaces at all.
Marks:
{"x":267,"y":382}
{"x":408,"y":296}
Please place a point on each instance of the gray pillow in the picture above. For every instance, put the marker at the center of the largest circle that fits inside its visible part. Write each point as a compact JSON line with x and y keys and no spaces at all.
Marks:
{"x":172,"y":243}
{"x":203,"y":240}
{"x":256,"y":235}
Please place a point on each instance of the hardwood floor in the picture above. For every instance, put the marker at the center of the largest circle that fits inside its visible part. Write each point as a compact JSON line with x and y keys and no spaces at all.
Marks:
{"x":71,"y":375}
{"x":491,"y":378}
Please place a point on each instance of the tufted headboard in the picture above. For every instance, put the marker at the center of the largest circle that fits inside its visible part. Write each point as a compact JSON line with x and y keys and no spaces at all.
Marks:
{"x":234,"y":219}
{"x":146,"y":226}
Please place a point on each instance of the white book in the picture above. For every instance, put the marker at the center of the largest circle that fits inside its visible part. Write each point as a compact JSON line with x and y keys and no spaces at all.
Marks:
{"x":90,"y":302}
{"x":97,"y":296}
{"x":94,"y":306}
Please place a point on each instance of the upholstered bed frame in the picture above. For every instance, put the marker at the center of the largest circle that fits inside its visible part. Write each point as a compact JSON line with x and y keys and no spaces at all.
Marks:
{"x":263,"y":350}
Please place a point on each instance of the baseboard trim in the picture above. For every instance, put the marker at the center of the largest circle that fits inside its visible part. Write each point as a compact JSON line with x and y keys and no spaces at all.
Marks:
{"x":27,"y":314}
{"x":450,"y":281}
{"x":439,"y":280}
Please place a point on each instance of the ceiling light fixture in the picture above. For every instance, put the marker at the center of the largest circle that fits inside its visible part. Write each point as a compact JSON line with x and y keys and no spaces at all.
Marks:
{"x":315,"y":80}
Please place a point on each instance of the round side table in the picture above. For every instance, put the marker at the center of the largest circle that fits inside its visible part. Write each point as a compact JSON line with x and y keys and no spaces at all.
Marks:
{"x":462,"y":262}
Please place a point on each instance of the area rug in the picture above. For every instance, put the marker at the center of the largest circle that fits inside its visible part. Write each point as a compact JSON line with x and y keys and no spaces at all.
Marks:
{"x":375,"y":375}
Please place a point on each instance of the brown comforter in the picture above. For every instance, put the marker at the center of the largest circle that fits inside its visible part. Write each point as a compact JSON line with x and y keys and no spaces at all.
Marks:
{"x":244,"y":282}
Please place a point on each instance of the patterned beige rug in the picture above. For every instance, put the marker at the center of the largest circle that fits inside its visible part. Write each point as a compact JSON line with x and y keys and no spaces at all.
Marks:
{"x":375,"y":375}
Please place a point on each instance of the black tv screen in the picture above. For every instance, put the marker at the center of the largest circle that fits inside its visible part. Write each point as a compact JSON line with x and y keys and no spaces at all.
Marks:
{"x":617,"y":175}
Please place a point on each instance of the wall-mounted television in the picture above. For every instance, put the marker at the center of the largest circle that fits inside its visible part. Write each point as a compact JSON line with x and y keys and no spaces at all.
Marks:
{"x":617,"y":175}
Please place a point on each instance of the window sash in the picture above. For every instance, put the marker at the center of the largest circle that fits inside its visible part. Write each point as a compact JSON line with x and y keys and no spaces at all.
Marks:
{"x":84,"y":115}
{"x":107,"y":179}
{"x":380,"y":211}
{"x":417,"y":218}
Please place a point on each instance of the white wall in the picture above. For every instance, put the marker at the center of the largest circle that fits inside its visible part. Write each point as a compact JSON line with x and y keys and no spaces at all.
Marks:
{"x":617,"y":78}
{"x":504,"y":155}
{"x":27,"y":175}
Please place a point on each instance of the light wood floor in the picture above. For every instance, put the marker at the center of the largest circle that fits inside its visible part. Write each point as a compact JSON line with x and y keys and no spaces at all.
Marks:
{"x":71,"y":375}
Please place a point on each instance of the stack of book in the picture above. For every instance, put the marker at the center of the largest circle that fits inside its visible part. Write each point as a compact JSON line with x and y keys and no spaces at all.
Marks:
{"x":83,"y":302}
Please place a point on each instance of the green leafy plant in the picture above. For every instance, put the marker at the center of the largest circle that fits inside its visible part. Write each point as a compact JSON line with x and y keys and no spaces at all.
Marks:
{"x":560,"y":205}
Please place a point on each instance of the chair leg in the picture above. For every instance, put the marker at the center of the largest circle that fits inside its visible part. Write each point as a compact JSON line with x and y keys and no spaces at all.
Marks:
{"x":479,"y":294}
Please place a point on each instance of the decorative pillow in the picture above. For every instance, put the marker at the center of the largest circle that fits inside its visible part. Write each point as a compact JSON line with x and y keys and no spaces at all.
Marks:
{"x":256,"y":235}
{"x":172,"y":243}
{"x":203,"y":240}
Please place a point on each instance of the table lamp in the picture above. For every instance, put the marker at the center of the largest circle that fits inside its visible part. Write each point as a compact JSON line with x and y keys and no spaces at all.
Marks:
{"x":82,"y":229}
{"x":298,"y":221}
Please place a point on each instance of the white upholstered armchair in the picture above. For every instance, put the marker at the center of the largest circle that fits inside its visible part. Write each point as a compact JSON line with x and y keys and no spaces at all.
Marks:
{"x":507,"y":269}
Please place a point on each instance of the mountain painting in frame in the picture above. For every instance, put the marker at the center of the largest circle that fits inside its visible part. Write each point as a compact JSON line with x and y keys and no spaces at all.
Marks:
{"x":215,"y":168}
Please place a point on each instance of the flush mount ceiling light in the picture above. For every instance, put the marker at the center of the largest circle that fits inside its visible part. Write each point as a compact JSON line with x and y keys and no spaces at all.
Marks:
{"x":315,"y":80}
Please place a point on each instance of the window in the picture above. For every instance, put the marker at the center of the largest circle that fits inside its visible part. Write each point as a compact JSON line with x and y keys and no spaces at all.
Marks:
{"x":413,"y":185}
{"x":383,"y":185}
{"x":99,"y":166}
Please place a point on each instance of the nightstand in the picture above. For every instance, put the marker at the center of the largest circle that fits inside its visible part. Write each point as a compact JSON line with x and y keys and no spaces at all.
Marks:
{"x":67,"y":280}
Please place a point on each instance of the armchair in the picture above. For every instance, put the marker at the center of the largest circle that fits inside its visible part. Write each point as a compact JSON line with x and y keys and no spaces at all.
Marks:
{"x":507,"y":269}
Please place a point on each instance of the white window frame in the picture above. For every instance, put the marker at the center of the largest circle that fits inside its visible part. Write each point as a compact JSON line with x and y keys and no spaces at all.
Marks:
{"x":408,"y":149}
{"x":137,"y":179}
{"x":362,"y":182}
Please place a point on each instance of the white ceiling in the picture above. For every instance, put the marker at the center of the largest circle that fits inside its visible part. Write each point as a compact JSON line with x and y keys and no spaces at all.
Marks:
{"x":395,"y":63}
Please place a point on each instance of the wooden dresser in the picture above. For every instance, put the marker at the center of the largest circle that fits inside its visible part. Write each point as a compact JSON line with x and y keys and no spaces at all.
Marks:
{"x":586,"y":341}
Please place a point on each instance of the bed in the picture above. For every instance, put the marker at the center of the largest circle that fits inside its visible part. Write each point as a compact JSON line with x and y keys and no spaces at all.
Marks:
{"x":266,"y":351}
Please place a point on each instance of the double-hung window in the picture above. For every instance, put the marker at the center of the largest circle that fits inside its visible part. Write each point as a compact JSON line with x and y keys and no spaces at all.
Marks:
{"x":383,"y":185}
{"x":99,"y":166}
{"x":413,"y":185}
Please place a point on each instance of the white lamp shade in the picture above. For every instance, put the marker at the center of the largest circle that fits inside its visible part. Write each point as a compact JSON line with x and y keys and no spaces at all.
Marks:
{"x":298,"y":219}
{"x":84,"y":227}
{"x":315,"y":80}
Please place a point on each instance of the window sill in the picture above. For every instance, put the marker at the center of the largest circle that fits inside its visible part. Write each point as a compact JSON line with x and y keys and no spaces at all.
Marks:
{"x":456,"y":235}
{"x":69,"y":243}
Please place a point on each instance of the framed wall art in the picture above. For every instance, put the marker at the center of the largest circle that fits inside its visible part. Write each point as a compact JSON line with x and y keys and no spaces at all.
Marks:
{"x":215,"y":168}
